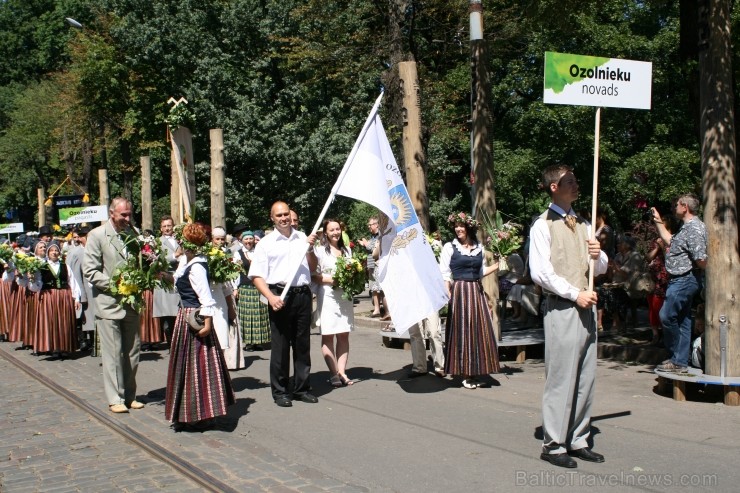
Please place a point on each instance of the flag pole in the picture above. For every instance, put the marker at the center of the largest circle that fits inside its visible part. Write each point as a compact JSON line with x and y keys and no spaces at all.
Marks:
{"x":594,"y":192}
{"x":334,"y":189}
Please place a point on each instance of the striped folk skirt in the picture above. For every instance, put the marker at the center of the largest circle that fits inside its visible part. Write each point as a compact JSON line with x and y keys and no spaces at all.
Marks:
{"x":470,"y":341}
{"x":6,"y":307}
{"x":55,"y":329}
{"x":17,"y":312}
{"x":198,"y":383}
{"x":150,"y":330}
{"x":28,"y":330}
{"x":253,"y":317}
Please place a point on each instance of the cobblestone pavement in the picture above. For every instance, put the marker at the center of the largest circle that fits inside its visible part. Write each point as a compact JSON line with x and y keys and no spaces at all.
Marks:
{"x":50,"y":445}
{"x":386,"y":433}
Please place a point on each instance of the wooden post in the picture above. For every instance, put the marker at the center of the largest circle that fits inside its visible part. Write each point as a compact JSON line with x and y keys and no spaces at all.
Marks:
{"x":481,"y":140}
{"x":732,"y":396}
{"x":719,"y":169}
{"x":413,"y":152}
{"x":218,"y":199}
{"x":103,"y":185}
{"x":42,"y":206}
{"x":146,"y":193}
{"x":175,"y":208}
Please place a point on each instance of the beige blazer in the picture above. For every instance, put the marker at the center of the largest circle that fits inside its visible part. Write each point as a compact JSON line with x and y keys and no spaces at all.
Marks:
{"x":103,"y":253}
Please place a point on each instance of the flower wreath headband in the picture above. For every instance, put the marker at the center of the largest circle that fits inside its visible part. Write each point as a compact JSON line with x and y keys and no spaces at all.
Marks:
{"x":185,"y":244}
{"x":463,"y":218}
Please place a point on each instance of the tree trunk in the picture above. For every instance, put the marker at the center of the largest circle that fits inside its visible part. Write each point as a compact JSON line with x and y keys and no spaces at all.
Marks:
{"x":482,"y":148}
{"x":413,"y":152}
{"x":719,"y":171}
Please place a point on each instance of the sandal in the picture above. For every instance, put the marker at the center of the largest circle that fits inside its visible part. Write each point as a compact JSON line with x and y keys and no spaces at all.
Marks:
{"x":469,"y":383}
{"x":375,"y":315}
{"x":345,"y":380}
{"x":336,"y":381}
{"x":388,"y":328}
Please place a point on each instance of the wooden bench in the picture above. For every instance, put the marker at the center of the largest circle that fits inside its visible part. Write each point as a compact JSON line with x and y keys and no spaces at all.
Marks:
{"x":521,"y":339}
{"x":694,"y":375}
{"x":516,"y":338}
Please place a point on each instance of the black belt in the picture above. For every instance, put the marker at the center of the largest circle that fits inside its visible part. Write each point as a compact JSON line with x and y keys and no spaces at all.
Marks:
{"x":673,"y":276}
{"x":278,"y":288}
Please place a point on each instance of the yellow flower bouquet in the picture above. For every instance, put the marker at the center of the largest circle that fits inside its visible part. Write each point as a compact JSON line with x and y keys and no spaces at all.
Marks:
{"x":145,"y":263}
{"x":349,"y":276}
{"x":221,"y":266}
{"x":27,"y":264}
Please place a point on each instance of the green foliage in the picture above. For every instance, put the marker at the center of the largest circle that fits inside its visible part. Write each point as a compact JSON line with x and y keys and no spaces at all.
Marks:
{"x":290,"y":83}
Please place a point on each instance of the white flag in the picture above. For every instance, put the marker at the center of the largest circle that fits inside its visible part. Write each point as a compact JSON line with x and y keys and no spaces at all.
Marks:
{"x":407,"y":270}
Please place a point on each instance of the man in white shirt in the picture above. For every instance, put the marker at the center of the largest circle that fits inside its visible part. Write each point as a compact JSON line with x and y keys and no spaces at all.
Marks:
{"x":560,"y":250}
{"x":273,"y":267}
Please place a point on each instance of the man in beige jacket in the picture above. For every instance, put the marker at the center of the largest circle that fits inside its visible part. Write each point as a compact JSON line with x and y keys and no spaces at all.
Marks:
{"x":117,"y":325}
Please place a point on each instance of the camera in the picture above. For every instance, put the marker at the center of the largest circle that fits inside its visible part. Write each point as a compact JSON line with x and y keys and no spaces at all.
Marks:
{"x":648,"y":216}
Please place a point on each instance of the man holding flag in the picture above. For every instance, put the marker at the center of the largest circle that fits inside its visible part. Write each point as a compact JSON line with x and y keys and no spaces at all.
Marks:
{"x":290,"y":316}
{"x":406,"y":270}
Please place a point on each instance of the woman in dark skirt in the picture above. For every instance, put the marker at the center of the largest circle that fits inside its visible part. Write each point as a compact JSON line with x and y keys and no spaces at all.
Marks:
{"x":470,"y":340}
{"x":59,"y":297}
{"x":198,"y":383}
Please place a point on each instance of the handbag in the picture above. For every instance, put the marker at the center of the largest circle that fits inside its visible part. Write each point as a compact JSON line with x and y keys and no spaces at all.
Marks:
{"x":641,"y":285}
{"x":195,"y":321}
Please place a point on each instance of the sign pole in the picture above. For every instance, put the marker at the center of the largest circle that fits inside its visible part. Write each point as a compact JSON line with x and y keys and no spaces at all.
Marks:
{"x":594,"y":193}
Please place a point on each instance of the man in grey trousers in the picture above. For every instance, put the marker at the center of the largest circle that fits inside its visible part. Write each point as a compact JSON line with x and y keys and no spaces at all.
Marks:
{"x":117,"y":325}
{"x":560,"y":250}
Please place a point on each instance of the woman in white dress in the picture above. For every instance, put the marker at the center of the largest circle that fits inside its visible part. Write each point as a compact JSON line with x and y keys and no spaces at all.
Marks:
{"x":224,"y":320}
{"x":335,"y":313}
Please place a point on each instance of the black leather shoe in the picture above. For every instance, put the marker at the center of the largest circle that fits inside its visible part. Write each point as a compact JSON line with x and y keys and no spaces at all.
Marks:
{"x":559,"y":460}
{"x":284,"y":402}
{"x":306,"y":397}
{"x":587,"y":454}
{"x":417,"y":374}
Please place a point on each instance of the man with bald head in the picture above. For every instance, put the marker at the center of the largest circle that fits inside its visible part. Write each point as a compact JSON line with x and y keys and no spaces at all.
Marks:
{"x":273,"y":266}
{"x":117,"y":324}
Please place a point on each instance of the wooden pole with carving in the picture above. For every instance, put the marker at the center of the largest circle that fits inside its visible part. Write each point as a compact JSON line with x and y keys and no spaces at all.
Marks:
{"x":218,"y":198}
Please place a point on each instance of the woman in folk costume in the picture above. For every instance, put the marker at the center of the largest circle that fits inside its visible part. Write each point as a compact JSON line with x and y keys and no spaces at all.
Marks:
{"x":7,"y":269}
{"x":470,"y":341}
{"x":16,"y":299}
{"x":59,"y":297}
{"x":253,"y":317}
{"x":198,"y":383}
{"x":150,"y":330}
{"x":27,"y":321}
{"x":224,"y":320}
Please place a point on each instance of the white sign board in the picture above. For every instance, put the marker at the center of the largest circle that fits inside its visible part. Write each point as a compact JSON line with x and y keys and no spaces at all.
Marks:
{"x":582,"y":80}
{"x":11,"y":228}
{"x":77,"y":215}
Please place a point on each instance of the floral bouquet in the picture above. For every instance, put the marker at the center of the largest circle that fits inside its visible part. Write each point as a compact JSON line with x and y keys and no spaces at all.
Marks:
{"x":221,"y":266}
{"x":350,"y":276}
{"x":27,"y":264}
{"x":145,"y":263}
{"x":435,"y":244}
{"x":501,"y":238}
{"x":359,"y":254}
{"x":6,"y":252}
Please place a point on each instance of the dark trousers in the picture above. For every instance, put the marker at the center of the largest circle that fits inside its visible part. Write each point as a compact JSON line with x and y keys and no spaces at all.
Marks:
{"x":290,"y":328}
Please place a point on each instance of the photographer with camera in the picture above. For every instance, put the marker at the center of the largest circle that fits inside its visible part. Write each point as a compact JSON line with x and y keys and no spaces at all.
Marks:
{"x":685,"y":259}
